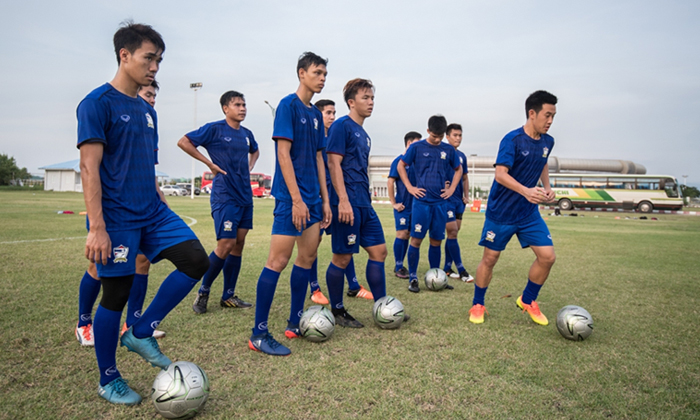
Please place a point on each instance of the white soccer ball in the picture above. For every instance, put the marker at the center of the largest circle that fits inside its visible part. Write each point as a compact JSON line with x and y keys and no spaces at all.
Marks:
{"x":574,"y":323}
{"x":317,"y":323}
{"x":435,"y":279}
{"x":388,"y":313}
{"x":180,"y":391}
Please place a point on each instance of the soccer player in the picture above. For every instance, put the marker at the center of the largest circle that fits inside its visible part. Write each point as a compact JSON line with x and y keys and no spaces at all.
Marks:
{"x":117,"y":136}
{"x":327,"y":108}
{"x":513,"y":205}
{"x":455,"y":210}
{"x":301,"y":202}
{"x":432,"y":161}
{"x":233,"y":151}
{"x":402,"y":202}
{"x":355,"y":223}
{"x":90,"y":283}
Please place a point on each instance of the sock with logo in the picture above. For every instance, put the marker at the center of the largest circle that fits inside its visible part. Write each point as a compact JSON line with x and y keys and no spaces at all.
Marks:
{"x":404,"y":249}
{"x":267,"y":283}
{"x":448,"y":257}
{"x":479,"y":295}
{"x":313,"y":277}
{"x":87,"y":295}
{"x":376,"y":278}
{"x":398,"y":253}
{"x":232,"y":267}
{"x":137,"y":296}
{"x":106,"y":328}
{"x":215,"y":266}
{"x":298,"y":281}
{"x":453,"y":246}
{"x":351,"y":276}
{"x":334,"y":280}
{"x":413,"y":260}
{"x":434,"y":256}
{"x":174,"y":288}
{"x":531,"y":291}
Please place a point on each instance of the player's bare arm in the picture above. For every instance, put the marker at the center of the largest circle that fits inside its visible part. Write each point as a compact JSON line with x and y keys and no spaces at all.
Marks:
{"x":98,"y":246}
{"x":300,"y":213}
{"x":416,"y":192}
{"x":345,"y":213}
{"x":252,"y":159}
{"x":327,"y":214}
{"x":390,"y":188}
{"x":535,"y":195}
{"x":465,"y":188}
{"x":449,"y":190}
{"x":186,"y":145}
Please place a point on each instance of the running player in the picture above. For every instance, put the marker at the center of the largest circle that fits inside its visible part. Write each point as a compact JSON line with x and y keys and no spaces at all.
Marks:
{"x":513,"y":205}
{"x":402,"y":202}
{"x":233,"y":153}
{"x":117,"y":135}
{"x":355,"y":222}
{"x":301,"y":202}
{"x":432,"y":161}
{"x":90,"y":283}
{"x":455,"y":210}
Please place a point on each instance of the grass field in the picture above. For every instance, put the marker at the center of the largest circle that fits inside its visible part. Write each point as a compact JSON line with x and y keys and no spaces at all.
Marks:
{"x":640,"y":279}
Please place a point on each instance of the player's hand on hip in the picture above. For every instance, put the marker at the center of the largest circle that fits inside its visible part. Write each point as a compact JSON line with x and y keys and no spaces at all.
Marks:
{"x":446,"y":193}
{"x":345,"y":213}
{"x":327,"y":216}
{"x":98,"y":246}
{"x":398,"y":206}
{"x":417,"y":192}
{"x":300,"y":215}
{"x":214,"y":168}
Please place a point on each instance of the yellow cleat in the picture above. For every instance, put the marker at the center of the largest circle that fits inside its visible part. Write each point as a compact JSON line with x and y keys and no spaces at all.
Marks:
{"x":476,"y":314}
{"x":534,"y":310}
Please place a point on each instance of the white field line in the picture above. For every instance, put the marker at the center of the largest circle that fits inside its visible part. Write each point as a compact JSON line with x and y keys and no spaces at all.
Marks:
{"x":192,"y":222}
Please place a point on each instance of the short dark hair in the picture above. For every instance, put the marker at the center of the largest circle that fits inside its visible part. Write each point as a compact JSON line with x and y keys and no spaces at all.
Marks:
{"x":537,"y":99}
{"x":131,"y":35}
{"x":307,"y":59}
{"x":155,"y":85}
{"x":355,"y":85}
{"x":227,"y":97}
{"x":437,"y":124}
{"x":411,"y":135}
{"x":452,"y":127}
{"x":322,"y":103}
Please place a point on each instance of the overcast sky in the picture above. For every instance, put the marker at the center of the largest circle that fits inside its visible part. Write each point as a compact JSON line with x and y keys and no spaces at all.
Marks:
{"x":627,"y":73}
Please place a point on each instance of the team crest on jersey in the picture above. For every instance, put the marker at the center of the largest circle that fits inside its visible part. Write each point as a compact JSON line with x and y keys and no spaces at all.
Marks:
{"x":303,"y":120}
{"x":351,"y":239}
{"x":525,"y":152}
{"x":450,"y":214}
{"x":545,"y":152}
{"x":315,"y":124}
{"x":149,"y":119}
{"x":443,"y":155}
{"x":247,"y":141}
{"x":418,"y":228}
{"x":120,"y":253}
{"x":228,"y":225}
{"x":402,"y":221}
{"x":227,"y":139}
{"x":490,"y":236}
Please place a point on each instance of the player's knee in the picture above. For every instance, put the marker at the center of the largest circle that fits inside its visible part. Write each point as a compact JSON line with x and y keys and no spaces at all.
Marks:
{"x":547,"y":259}
{"x":238,"y":248}
{"x":490,"y":260}
{"x":277,"y":262}
{"x":115,"y":292}
{"x":189,"y":257}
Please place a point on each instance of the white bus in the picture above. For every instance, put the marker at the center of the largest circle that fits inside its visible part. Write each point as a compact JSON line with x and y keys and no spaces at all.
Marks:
{"x":644,"y":193}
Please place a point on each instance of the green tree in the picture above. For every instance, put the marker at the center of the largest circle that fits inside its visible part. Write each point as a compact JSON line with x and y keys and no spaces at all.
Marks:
{"x":10,"y":171}
{"x":689,"y":191}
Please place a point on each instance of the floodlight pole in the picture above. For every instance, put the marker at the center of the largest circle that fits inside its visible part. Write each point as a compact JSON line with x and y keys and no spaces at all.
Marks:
{"x":685,"y":180}
{"x":471,"y":177}
{"x":196,"y":86}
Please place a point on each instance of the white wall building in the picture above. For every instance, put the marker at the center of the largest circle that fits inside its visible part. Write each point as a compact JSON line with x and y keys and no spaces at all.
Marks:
{"x":65,"y":176}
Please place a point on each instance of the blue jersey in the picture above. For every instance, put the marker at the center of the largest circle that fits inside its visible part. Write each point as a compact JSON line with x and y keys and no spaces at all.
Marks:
{"x":303,"y":126}
{"x":432,"y":166}
{"x":401,"y":193}
{"x":128,"y":129}
{"x":459,"y":191}
{"x":229,"y":149}
{"x":525,"y":159}
{"x":348,"y":139}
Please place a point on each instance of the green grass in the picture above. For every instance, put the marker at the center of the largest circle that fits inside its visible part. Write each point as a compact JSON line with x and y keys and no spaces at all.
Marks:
{"x":640,"y":279}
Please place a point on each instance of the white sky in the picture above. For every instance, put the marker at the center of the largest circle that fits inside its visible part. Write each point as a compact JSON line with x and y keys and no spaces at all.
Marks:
{"x":627,"y":73}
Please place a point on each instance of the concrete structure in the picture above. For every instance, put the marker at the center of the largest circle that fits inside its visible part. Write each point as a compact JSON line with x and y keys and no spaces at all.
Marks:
{"x":481,"y":170}
{"x":65,"y":176}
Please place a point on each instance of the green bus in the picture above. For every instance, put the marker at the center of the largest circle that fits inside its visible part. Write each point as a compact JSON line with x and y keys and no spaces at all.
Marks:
{"x":645,"y":193}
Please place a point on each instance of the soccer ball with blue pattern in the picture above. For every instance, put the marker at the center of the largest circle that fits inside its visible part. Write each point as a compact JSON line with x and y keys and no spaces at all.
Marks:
{"x":317,"y":323}
{"x":574,"y":323}
{"x":388,"y":313}
{"x":180,"y":391}
{"x":435,"y":279}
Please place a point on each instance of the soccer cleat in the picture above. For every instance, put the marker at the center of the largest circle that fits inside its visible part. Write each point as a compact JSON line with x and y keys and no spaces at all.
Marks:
{"x":449,"y":287}
{"x":465,"y":276}
{"x":451,"y":274}
{"x":533,"y":309}
{"x":292,"y":332}
{"x":156,"y":333}
{"x":476,"y":314}
{"x":406,"y":317}
{"x":118,"y":392}
{"x":85,"y":335}
{"x":200,"y":303}
{"x":265,"y":343}
{"x":344,"y":319}
{"x":317,"y":297}
{"x":361,"y":293}
{"x":124,"y":328}
{"x":413,"y":286}
{"x":401,"y":273}
{"x":145,"y":347}
{"x":234,"y":302}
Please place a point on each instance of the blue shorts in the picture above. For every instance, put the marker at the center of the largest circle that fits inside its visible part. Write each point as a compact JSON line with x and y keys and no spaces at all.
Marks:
{"x":532,"y":232}
{"x":365,"y":231}
{"x":428,"y":217}
{"x":283,"y":225}
{"x":402,"y":219}
{"x":455,"y":210}
{"x":151,"y":240}
{"x":228,"y":218}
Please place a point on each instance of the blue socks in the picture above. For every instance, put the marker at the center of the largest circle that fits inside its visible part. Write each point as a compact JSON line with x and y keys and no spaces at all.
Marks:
{"x":376,"y":279}
{"x":531,"y":291}
{"x":215,"y":266}
{"x":479,"y":294}
{"x":413,"y":259}
{"x":448,"y":257}
{"x":137,"y":296}
{"x":434,"y":254}
{"x":298,"y":281}
{"x":334,"y":280}
{"x":267,"y":283}
{"x":313,"y":277}
{"x":89,"y":289}
{"x":106,"y":328}
{"x":232,"y":267}
{"x":400,"y":248}
{"x":351,"y":276}
{"x":453,"y":246}
{"x":171,"y":292}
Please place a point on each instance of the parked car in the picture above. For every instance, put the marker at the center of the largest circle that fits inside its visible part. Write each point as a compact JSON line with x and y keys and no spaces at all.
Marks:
{"x":173,"y":190}
{"x":188,"y":188}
